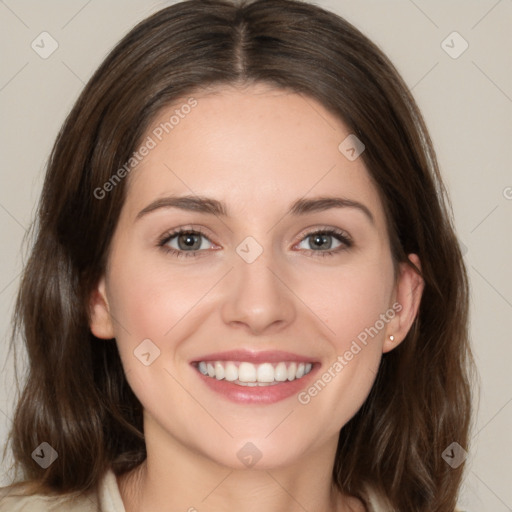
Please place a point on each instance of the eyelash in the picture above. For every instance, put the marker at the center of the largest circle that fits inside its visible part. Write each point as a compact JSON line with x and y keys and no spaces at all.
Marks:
{"x":341,"y":236}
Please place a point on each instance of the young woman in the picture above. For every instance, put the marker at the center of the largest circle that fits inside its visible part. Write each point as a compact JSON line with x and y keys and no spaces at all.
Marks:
{"x":245,"y":291}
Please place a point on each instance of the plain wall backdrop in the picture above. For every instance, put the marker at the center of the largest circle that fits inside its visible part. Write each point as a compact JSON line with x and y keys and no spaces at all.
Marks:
{"x":465,"y":95}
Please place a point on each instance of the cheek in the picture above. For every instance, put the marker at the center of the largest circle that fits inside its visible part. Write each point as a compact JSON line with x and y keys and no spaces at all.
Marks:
{"x":150,"y":302}
{"x":152,"y":299}
{"x":355,"y":301}
{"x":350,"y":299}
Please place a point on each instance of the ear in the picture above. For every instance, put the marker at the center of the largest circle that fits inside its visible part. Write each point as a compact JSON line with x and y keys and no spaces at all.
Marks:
{"x":409,"y":289}
{"x":100,"y":320}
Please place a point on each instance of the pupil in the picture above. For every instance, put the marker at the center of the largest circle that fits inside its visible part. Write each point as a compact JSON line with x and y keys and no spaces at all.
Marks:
{"x":189,"y":241}
{"x":319,"y":240}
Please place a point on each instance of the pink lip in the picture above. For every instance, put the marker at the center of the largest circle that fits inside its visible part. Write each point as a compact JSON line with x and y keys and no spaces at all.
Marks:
{"x":273,"y":356}
{"x":256,"y":394}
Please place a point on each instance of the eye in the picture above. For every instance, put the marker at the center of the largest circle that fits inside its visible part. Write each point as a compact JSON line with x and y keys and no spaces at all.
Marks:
{"x":326,"y":242}
{"x":184,"y":242}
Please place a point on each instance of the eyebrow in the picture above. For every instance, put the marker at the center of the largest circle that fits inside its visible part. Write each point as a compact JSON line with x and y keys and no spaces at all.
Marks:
{"x":212,"y":206}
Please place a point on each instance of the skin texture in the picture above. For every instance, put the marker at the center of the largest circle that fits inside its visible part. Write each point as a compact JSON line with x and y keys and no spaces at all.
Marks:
{"x":258,"y":150}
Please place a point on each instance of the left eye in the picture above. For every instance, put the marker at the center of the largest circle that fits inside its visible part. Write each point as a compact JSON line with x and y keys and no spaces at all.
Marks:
{"x":323,"y":241}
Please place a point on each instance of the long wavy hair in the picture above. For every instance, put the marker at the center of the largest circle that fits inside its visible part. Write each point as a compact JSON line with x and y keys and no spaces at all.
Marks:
{"x":75,"y":395}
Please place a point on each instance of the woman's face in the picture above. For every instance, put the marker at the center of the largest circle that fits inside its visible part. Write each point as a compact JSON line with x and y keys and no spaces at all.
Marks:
{"x":284,"y":268}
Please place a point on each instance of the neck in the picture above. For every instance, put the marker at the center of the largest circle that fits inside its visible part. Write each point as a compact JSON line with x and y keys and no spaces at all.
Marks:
{"x":157,"y":486}
{"x":174,"y":477}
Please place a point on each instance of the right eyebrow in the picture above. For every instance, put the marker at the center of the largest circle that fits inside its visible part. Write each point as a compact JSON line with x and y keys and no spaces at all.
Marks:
{"x":190,"y":203}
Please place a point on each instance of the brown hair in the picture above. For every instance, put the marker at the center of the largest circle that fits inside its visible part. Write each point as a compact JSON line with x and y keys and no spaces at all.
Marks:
{"x":76,"y":396}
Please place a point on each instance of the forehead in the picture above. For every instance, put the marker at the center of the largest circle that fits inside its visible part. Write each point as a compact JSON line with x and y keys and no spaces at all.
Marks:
{"x":251,"y":146}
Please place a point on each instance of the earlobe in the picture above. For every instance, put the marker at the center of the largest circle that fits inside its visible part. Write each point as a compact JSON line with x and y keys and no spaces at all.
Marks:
{"x":409,"y":289}
{"x":100,"y":321}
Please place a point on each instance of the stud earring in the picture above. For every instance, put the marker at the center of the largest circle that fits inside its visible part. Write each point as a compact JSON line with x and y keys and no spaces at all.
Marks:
{"x":392,"y":338}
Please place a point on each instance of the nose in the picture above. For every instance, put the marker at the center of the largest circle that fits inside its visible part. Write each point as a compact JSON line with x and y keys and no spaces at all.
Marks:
{"x":257,"y":297}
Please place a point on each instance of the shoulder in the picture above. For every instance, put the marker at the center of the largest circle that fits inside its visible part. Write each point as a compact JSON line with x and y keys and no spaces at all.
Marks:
{"x":106,"y":499}
{"x":13,"y":501}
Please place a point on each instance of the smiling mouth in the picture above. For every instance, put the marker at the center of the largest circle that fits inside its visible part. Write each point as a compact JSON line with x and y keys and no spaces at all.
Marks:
{"x":243,"y":373}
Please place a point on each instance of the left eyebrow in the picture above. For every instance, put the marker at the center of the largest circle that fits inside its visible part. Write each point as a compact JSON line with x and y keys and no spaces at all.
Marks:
{"x":304,"y":206}
{"x":214,"y":207}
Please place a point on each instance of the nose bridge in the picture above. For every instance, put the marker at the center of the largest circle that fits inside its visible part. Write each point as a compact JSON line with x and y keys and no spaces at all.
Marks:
{"x":255,"y":296}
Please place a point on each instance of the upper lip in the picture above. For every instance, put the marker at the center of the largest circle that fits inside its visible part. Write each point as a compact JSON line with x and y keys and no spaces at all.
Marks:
{"x":269,"y":356}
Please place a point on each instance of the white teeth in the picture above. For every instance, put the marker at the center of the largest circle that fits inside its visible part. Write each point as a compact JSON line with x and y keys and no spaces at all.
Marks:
{"x":231,"y":372}
{"x":248,"y":374}
{"x":292,"y":371}
{"x":219,"y":371}
{"x":281,"y":373}
{"x":265,"y":373}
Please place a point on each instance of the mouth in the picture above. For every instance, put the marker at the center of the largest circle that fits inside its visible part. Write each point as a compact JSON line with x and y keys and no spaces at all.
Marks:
{"x":250,"y":377}
{"x":244,"y":373}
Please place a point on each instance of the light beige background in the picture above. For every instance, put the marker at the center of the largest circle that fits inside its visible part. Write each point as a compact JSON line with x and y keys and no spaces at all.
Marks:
{"x":467,"y":103}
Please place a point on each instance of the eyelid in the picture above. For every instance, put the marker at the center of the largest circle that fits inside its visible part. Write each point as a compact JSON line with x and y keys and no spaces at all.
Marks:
{"x":185,"y":229}
{"x":312,"y":230}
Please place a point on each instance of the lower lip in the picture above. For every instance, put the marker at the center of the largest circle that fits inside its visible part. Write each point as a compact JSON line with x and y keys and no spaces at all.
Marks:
{"x":257,"y":394}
